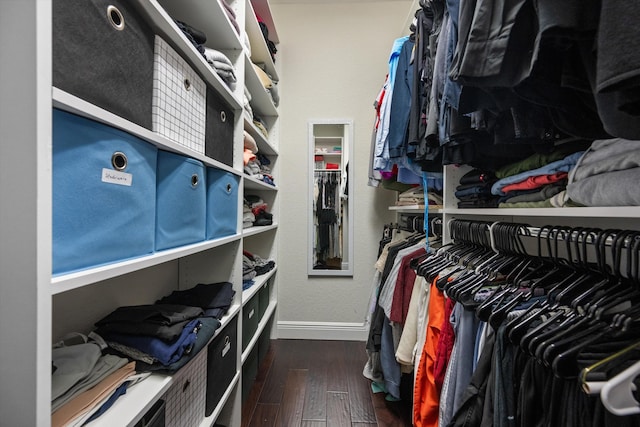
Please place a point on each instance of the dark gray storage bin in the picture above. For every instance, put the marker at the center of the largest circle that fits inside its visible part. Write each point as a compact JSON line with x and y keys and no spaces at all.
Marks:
{"x":155,"y":417}
{"x":219,"y":129}
{"x":103,"y":53}
{"x":250,"y":320}
{"x":249,"y":372}
{"x":221,"y":364}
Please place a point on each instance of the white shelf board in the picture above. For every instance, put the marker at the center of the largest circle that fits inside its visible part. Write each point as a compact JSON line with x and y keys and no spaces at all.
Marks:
{"x":130,"y":408}
{"x":165,"y":26}
{"x":584,"y":212}
{"x":65,"y":282}
{"x":257,"y":229}
{"x":264,"y":146}
{"x":262,"y":8}
{"x":414,"y":209}
{"x":263,"y":323}
{"x":261,"y":102}
{"x":260,"y":281}
{"x":259,"y":50}
{"x":256,"y":184}
{"x":328,"y":154}
{"x":72,"y":104}
{"x":207,"y":16}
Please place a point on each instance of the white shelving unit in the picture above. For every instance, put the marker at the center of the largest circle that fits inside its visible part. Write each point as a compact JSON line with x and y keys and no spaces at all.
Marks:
{"x":38,"y":308}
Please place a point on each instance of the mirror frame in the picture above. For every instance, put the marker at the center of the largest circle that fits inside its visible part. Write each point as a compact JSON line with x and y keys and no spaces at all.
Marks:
{"x":348,"y":137}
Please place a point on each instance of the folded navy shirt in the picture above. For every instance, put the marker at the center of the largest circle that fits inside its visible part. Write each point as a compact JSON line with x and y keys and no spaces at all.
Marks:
{"x":214,"y":298}
{"x":164,"y":321}
{"x":208,"y":327}
{"x":165,"y":352}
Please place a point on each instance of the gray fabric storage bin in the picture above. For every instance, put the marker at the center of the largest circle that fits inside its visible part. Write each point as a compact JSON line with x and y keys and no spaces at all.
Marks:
{"x":221,"y":364}
{"x":219,"y":129}
{"x":103,"y":53}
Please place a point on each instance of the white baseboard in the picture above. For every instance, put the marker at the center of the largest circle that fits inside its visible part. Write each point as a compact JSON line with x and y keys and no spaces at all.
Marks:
{"x":341,"y":331}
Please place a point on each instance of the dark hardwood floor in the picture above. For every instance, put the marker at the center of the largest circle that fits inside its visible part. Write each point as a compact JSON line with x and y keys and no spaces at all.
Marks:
{"x":304,"y":383}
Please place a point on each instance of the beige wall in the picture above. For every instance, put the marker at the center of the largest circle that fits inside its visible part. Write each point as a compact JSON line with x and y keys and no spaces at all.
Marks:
{"x":333,"y":60}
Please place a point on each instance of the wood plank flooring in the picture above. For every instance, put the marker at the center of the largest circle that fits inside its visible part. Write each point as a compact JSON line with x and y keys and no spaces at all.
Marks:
{"x":310,"y":383}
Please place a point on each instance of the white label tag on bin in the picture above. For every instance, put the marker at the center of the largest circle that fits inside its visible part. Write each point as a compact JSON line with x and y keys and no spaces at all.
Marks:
{"x":111,"y":176}
{"x":227,"y":345}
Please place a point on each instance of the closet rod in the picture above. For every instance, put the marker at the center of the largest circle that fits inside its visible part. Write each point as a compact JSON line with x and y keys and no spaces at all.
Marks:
{"x":563,"y":232}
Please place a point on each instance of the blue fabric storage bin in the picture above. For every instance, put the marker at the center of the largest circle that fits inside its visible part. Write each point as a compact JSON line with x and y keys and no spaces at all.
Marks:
{"x":222,"y":203}
{"x":104,"y":192}
{"x":181,"y":201}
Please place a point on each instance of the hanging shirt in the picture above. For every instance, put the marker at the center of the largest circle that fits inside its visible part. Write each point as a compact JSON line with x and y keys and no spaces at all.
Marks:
{"x":381,"y":161}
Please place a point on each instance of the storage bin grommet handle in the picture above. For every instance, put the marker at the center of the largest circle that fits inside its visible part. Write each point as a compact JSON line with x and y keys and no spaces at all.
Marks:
{"x":223,"y":116}
{"x":229,"y":188}
{"x":119,"y":161}
{"x":186,"y":385}
{"x":194,"y":180}
{"x":115,"y":17}
{"x":187,"y":84}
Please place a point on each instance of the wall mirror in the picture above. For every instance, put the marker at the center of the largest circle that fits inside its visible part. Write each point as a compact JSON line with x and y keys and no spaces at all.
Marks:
{"x":330,"y":198}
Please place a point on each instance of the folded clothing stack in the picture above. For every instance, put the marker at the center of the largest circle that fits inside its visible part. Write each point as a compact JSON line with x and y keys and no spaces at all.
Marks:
{"x":607,"y":174}
{"x":231,"y":14}
{"x":535,"y":187}
{"x":253,"y":265}
{"x":259,"y":209}
{"x":222,"y":65}
{"x":412,"y":196}
{"x":166,"y":335}
{"x":86,"y":380}
{"x":195,"y":36}
{"x":474,"y":190}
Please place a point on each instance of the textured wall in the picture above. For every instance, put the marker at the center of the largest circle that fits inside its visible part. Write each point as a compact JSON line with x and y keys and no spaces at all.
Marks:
{"x":333,"y":61}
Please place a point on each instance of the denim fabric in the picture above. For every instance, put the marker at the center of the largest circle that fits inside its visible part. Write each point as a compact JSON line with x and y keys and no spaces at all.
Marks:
{"x":381,"y":160}
{"x":390,"y":367}
{"x":401,"y":103}
{"x":461,"y":366}
{"x":505,"y":389}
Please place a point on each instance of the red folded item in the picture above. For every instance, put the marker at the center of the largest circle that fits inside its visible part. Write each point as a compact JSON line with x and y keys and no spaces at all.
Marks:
{"x":332,"y":166}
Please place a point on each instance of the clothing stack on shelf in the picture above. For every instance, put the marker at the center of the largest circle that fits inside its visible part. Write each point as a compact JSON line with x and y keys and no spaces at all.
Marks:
{"x":269,"y":84}
{"x":554,"y":173}
{"x":255,"y":212}
{"x":474,"y":190}
{"x":166,"y":335}
{"x":464,"y":89}
{"x":606,"y":175}
{"x":413,"y":196}
{"x":259,"y":123}
{"x":256,"y":164}
{"x":252,"y":266}
{"x":265,"y":34}
{"x":86,"y":380}
{"x":219,"y":62}
{"x":222,"y":65}
{"x":90,"y":373}
{"x":231,"y":14}
{"x":194,"y":35}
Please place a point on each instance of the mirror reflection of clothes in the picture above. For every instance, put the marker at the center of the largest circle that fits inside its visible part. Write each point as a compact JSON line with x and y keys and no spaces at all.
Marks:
{"x":328,"y":217}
